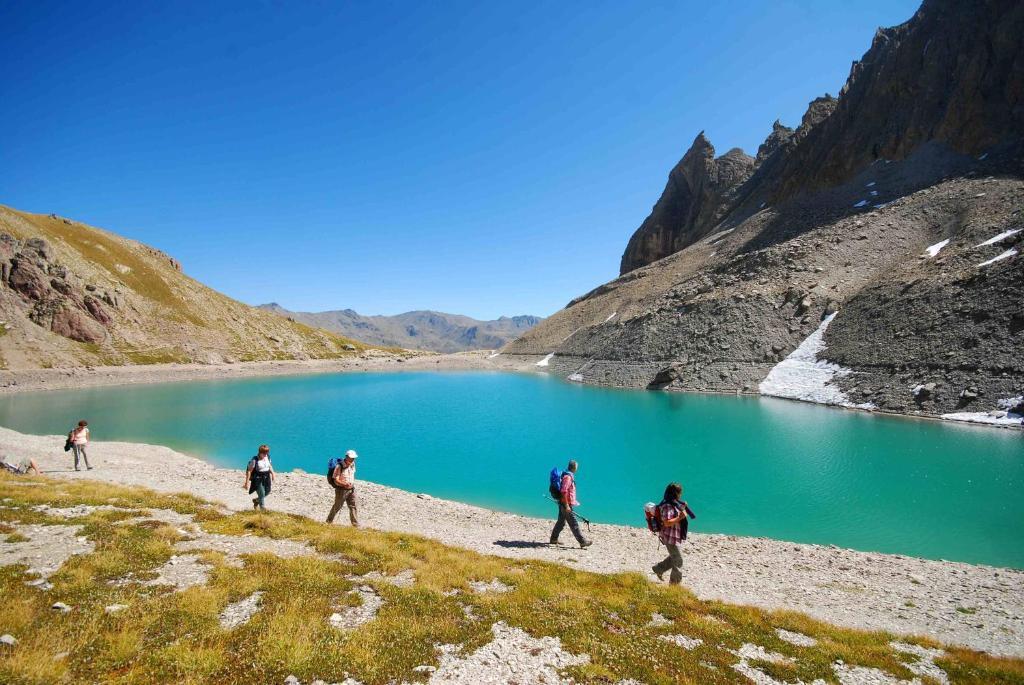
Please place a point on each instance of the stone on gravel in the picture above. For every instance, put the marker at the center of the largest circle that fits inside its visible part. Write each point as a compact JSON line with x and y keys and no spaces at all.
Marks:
{"x":657,"y":621}
{"x":353,"y":617}
{"x":182,"y":572}
{"x":61,"y":607}
{"x":682,"y":640}
{"x":925,"y":665}
{"x":512,"y":656}
{"x":798,"y":639}
{"x":494,"y":586}
{"x":45,"y":550}
{"x":240,"y":612}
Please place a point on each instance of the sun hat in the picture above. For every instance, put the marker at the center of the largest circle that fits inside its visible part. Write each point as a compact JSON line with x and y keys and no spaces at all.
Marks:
{"x":351,"y":454}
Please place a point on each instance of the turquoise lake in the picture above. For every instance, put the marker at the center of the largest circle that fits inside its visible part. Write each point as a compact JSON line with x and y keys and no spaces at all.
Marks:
{"x":750,"y":466}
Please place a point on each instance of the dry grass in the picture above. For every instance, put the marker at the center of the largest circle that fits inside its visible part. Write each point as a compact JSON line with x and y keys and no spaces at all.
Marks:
{"x":166,"y":636}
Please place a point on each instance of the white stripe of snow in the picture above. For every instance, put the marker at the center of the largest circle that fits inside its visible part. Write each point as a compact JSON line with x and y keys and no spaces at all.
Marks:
{"x":610,"y":317}
{"x":933,"y":250}
{"x":492,"y":356}
{"x":983,"y":417}
{"x":576,"y":377}
{"x":803,"y":376}
{"x":982,"y":158}
{"x":998,"y":238}
{"x":870,"y":184}
{"x":545,"y":360}
{"x":1005,"y":255}
{"x":861,"y":203}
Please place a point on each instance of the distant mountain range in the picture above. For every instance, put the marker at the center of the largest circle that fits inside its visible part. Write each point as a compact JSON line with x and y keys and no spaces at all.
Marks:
{"x":418,"y":330}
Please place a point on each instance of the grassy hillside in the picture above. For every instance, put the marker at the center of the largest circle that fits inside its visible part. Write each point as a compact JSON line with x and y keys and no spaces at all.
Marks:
{"x":156,"y":312}
{"x":393,"y":600}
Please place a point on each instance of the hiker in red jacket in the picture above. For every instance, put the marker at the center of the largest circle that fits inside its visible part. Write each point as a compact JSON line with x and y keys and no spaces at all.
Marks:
{"x":566,"y":501}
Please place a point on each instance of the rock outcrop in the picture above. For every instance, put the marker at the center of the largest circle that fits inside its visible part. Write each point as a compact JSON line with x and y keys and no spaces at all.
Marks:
{"x":895,"y":212}
{"x":73,"y":295}
{"x":699,"y":188}
{"x":56,"y":298}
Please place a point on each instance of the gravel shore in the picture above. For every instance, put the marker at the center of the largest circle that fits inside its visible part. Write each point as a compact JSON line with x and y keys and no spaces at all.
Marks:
{"x":980,"y":607}
{"x":26,"y":380}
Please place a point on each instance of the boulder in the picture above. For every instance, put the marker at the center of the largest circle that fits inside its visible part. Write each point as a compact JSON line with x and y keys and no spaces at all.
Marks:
{"x":75,"y":325}
{"x":667,"y":376}
{"x":97,"y":311}
{"x":28,"y":279}
{"x":40,"y":247}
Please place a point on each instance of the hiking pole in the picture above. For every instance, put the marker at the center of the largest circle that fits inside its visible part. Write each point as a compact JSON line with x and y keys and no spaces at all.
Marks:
{"x":577,"y":515}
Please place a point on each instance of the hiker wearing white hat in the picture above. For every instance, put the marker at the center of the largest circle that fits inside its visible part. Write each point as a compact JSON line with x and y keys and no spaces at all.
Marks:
{"x":343,"y":480}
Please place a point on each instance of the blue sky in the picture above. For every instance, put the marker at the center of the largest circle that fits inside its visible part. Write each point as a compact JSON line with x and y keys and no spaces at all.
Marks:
{"x":481,"y":158}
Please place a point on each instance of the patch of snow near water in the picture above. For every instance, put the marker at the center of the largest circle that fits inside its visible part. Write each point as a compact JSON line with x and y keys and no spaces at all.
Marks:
{"x":999,"y":238}
{"x":492,"y":356}
{"x":1005,"y":255}
{"x":861,"y":203}
{"x":545,"y":360}
{"x":576,"y":377}
{"x":870,"y":184}
{"x":996,"y":417}
{"x":803,"y":376}
{"x":933,"y":250}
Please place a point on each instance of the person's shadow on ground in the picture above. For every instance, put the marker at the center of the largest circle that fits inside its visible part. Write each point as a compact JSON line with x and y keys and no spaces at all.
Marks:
{"x":521,"y":544}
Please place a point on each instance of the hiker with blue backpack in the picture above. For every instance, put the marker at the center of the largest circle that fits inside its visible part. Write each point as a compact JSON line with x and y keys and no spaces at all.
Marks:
{"x":562,"y":487}
{"x":669,"y":520}
{"x":341,"y":474}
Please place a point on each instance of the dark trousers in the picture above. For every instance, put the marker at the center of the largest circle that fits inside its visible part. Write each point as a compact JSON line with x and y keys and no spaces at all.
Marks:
{"x":565,"y":515}
{"x":673,"y":561}
{"x":343,"y":496}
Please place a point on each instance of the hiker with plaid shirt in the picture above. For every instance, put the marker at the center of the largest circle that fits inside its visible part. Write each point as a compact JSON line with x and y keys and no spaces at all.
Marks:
{"x":672,"y":514}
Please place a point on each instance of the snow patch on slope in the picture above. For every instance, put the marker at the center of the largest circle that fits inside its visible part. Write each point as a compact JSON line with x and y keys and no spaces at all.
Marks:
{"x":545,"y":360}
{"x":803,"y":376}
{"x":933,"y":250}
{"x":999,"y":238}
{"x":999,"y":257}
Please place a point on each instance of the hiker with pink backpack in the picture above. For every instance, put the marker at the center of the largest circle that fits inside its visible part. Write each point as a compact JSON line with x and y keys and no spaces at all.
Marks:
{"x":669,"y":520}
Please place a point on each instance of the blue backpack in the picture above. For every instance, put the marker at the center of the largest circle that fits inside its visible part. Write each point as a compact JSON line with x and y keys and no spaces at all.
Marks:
{"x":331,"y":463}
{"x":555,"y":483}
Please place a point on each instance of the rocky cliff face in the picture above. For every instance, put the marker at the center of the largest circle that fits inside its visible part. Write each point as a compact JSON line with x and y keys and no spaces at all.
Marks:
{"x":73,"y":295}
{"x":699,"y":189}
{"x":951,"y":74}
{"x":419,"y":330}
{"x":869,"y":256}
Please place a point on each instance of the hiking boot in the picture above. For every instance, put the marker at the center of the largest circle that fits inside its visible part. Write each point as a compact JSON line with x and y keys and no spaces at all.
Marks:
{"x":586,"y":543}
{"x":255,"y":504}
{"x":660,"y":574}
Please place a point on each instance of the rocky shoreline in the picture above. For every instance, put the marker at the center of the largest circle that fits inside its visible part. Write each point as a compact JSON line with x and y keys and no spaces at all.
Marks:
{"x":28,"y":380}
{"x":980,"y":607}
{"x":31,"y":380}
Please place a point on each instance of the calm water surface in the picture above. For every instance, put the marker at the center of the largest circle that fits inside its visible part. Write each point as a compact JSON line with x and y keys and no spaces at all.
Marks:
{"x":750,"y":466}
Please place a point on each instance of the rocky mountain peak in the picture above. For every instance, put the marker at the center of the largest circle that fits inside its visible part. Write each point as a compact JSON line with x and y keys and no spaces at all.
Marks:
{"x":697,"y":188}
{"x":776,"y":139}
